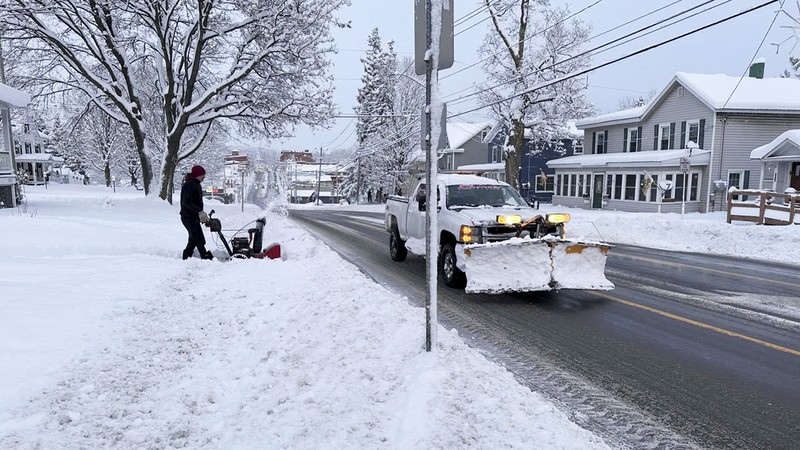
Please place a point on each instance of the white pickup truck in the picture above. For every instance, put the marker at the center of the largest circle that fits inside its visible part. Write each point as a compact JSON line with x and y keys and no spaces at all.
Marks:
{"x":492,"y":241}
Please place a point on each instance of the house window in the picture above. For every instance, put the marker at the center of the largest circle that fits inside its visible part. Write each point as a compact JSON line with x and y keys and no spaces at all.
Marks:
{"x":27,"y":148}
{"x":17,"y":147}
{"x":558,"y":184}
{"x":600,"y":143}
{"x":577,"y":147}
{"x":26,"y":128}
{"x":736,"y":180}
{"x":692,"y":132}
{"x":654,"y":192}
{"x":694,"y":185}
{"x":679,"y":191}
{"x":609,"y":185}
{"x":618,"y":187}
{"x":545,"y":185}
{"x":573,"y":184}
{"x":37,"y":148}
{"x":668,"y":194}
{"x":630,"y":187}
{"x":564,"y":185}
{"x":663,"y":136}
{"x":497,"y":154}
{"x":633,"y":140}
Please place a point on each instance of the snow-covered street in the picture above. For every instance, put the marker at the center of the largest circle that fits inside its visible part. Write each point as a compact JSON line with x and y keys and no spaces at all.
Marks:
{"x":108,"y":339}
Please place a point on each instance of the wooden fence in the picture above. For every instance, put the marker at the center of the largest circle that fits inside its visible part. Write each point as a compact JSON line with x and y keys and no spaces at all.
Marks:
{"x":767,"y":208}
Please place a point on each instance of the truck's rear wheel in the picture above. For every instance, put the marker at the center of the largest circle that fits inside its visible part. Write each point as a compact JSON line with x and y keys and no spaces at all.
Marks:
{"x":452,"y":276}
{"x":397,"y":248}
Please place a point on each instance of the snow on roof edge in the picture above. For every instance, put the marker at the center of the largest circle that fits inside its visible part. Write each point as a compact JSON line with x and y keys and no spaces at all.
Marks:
{"x":13,"y":97}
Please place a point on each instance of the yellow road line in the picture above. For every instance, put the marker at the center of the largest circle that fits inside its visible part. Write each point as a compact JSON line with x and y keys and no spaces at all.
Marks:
{"x":707,"y":269}
{"x":698,"y":324}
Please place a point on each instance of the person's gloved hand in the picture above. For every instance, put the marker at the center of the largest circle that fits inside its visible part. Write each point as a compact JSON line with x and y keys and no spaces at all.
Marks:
{"x":203,"y":217}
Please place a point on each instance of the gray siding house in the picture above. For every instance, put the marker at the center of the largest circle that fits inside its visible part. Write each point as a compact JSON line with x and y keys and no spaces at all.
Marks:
{"x":633,"y":159}
{"x":466,"y":145}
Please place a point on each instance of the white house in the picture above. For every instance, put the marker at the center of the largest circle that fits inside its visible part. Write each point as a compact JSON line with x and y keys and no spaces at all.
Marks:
{"x":9,"y":98}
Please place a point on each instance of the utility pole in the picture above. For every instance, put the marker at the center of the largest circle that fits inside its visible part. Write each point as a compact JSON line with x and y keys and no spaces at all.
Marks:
{"x":358,"y":176}
{"x":2,"y":61}
{"x":319,"y":178}
{"x":241,"y":168}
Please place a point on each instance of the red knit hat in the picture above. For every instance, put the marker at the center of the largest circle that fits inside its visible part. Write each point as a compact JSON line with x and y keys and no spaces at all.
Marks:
{"x":197,"y":171}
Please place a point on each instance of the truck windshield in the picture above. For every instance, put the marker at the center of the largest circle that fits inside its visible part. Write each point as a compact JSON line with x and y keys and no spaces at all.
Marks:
{"x":475,"y":195}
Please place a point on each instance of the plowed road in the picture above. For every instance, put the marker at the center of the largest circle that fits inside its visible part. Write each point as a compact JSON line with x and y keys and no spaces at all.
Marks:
{"x":686,"y":352}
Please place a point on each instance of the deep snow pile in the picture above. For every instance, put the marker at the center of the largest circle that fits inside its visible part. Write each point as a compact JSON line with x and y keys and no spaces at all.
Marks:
{"x":108,"y":339}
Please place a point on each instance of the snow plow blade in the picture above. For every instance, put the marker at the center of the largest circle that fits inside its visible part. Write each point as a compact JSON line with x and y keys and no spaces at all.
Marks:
{"x":527,"y":265}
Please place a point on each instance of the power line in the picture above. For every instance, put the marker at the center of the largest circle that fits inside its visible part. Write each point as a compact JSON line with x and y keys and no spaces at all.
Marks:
{"x":484,"y":19}
{"x":326,"y":144}
{"x":528,"y":38}
{"x":754,"y":55}
{"x":607,"y":63}
{"x":587,"y":52}
{"x":630,"y":37}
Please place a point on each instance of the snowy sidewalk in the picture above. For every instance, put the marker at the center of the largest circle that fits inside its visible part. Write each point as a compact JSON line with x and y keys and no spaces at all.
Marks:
{"x":112,"y":341}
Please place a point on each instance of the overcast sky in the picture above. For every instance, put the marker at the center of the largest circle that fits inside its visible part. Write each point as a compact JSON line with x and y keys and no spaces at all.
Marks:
{"x":726,"y":48}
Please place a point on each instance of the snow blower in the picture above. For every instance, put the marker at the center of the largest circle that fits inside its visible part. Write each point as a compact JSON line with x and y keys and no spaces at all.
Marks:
{"x":250,"y":246}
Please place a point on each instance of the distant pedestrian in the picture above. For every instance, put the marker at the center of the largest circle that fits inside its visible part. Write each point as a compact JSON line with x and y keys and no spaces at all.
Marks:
{"x":192,"y":214}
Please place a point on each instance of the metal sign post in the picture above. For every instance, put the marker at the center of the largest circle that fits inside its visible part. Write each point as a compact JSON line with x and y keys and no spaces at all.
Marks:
{"x":685,"y":167}
{"x":432,"y":55}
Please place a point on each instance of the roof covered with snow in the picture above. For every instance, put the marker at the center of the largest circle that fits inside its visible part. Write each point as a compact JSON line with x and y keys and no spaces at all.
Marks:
{"x":38,"y":157}
{"x":768,"y":94}
{"x":458,"y":133}
{"x":660,"y":158}
{"x":787,"y":145}
{"x":626,"y":115}
{"x":13,"y":97}
{"x":720,"y":93}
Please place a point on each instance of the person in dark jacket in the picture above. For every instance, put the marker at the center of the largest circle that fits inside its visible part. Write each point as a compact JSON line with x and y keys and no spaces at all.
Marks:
{"x":192,"y":213}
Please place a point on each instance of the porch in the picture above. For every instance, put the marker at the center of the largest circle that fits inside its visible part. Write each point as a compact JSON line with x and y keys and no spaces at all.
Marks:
{"x":648,"y":181}
{"x":780,"y":163}
{"x":36,"y":167}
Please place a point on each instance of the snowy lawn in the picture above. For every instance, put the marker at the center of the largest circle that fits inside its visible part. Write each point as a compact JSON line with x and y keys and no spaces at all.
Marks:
{"x":109,"y":340}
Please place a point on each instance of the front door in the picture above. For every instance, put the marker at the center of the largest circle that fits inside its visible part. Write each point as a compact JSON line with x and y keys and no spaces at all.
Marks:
{"x":597,"y":191}
{"x":794,"y":179}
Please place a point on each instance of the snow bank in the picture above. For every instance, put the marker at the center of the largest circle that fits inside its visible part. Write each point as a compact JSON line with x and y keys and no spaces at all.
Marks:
{"x":108,"y":339}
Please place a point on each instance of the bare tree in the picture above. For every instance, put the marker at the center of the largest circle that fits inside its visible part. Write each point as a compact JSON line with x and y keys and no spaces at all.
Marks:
{"x":261,"y":65}
{"x":530,"y":44}
{"x":636,"y":101}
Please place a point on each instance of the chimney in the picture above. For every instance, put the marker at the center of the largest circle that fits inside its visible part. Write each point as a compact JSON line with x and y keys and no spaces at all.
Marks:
{"x":757,"y":68}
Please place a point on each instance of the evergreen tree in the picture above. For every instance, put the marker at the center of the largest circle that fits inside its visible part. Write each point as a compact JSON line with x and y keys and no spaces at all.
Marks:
{"x":376,"y":98}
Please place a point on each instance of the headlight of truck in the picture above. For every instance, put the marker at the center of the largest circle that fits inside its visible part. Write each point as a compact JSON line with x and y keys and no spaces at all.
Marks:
{"x":557,"y":218}
{"x":509,"y":220}
{"x":466,"y":234}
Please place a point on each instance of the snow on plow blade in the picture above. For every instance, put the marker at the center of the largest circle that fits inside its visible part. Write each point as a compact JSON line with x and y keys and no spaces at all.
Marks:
{"x":525,"y":265}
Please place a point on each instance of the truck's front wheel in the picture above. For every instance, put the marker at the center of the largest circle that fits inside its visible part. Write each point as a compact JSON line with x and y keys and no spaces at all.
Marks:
{"x":453,"y":277}
{"x":397,"y":248}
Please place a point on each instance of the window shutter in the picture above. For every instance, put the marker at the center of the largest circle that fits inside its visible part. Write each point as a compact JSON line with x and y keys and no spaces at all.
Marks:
{"x":701,"y":132}
{"x":683,"y":134}
{"x":594,"y":139}
{"x":672,"y":135}
{"x":639,"y":139}
{"x":655,"y":137}
{"x":605,"y":141}
{"x":625,"y":140}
